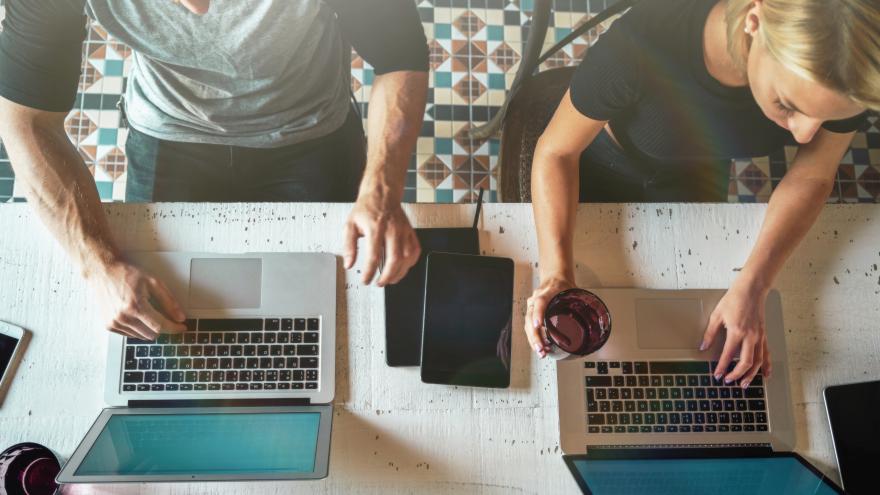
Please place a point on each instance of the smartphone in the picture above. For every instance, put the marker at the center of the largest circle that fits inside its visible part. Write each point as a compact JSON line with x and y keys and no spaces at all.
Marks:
{"x":13,"y":340}
{"x":855,"y":429}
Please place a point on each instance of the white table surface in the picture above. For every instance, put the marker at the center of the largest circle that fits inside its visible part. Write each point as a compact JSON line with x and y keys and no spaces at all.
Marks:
{"x":393,"y":434}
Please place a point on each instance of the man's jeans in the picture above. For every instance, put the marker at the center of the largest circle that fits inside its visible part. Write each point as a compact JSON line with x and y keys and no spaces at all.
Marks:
{"x":327,"y":169}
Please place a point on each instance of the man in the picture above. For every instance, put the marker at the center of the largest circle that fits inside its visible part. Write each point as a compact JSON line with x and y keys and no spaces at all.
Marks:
{"x":227,"y":100}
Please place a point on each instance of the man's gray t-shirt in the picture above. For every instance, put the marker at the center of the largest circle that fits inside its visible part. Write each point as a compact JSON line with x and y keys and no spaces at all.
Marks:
{"x":255,"y":73}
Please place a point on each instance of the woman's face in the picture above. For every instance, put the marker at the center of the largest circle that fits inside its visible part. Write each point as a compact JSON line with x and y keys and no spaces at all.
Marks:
{"x":791,"y":101}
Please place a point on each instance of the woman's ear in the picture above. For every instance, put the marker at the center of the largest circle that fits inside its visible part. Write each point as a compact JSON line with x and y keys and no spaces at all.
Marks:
{"x":753,"y":18}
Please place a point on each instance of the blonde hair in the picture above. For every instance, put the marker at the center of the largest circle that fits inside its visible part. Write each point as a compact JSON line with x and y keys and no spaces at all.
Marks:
{"x":835,"y":43}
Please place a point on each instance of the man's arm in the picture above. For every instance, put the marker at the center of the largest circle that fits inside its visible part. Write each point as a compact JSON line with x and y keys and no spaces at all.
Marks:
{"x":793,"y":208}
{"x":40,"y":56}
{"x":62,"y":192}
{"x":397,"y":106}
{"x":388,"y":34}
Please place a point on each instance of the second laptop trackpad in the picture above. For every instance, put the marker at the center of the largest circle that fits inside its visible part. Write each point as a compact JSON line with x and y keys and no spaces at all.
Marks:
{"x":225,"y":283}
{"x":669,"y":323}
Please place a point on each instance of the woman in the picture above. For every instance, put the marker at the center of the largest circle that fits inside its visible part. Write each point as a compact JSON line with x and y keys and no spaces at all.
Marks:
{"x":669,"y":95}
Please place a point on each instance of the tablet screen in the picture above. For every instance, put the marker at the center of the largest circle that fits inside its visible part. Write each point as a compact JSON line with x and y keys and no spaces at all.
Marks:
{"x":755,"y":476}
{"x":855,"y":426}
{"x":467,"y":323}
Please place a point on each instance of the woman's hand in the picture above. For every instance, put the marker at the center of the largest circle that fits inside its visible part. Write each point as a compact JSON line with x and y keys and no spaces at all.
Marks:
{"x":537,"y":304}
{"x":741,"y":312}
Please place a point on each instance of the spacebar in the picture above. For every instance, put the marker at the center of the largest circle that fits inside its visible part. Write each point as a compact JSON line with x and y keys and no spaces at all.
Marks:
{"x":230,"y":325}
{"x":679,"y":367}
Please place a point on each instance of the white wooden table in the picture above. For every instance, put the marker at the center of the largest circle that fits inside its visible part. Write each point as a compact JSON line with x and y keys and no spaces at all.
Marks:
{"x":392,"y":433}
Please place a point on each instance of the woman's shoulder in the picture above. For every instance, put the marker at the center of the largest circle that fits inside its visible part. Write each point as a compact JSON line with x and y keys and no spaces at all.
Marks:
{"x":664,"y":18}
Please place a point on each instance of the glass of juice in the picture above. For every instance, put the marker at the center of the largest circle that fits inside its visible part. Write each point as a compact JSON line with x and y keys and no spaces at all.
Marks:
{"x":577,"y":322}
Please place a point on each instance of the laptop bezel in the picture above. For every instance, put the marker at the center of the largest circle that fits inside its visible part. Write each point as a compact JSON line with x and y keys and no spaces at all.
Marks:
{"x":322,"y":451}
{"x":692,"y":453}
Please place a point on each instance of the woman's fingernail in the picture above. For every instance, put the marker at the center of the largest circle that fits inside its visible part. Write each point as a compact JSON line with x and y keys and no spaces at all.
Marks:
{"x":536,"y":323}
{"x":745,"y":384}
{"x":727,"y":381}
{"x":538,"y":348}
{"x":717,"y":376}
{"x":703,"y":346}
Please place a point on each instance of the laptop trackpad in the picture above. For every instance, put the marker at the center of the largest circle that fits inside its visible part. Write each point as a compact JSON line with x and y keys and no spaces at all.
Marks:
{"x":669,"y":323}
{"x":225,"y":283}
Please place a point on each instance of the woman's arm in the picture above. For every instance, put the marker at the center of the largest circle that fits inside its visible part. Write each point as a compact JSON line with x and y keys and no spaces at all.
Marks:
{"x":555,"y":170}
{"x":794,"y":207}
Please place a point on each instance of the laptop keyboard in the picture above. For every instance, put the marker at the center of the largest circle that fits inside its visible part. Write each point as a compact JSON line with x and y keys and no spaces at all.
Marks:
{"x":227,"y":354}
{"x":669,"y":397}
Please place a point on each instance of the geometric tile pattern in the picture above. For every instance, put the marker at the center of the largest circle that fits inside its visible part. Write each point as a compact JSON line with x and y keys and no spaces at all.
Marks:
{"x":475,"y":50}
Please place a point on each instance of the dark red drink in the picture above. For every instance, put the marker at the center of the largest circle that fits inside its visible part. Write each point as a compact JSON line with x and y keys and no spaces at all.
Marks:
{"x":577,"y":322}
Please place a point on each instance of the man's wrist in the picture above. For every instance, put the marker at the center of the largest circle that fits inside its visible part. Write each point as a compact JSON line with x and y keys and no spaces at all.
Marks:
{"x":380,"y":191}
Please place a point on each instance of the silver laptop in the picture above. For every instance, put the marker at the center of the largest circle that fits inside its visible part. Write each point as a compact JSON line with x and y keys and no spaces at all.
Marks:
{"x":650,"y":387}
{"x":243,"y":394}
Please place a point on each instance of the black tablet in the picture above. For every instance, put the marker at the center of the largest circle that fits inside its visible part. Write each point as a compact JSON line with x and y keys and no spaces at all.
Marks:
{"x":855,"y":429}
{"x":467,"y":323}
{"x":404,"y":300}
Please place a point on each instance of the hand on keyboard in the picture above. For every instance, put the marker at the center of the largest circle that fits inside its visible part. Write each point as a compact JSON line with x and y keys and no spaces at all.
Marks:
{"x":136,"y":304}
{"x":741,"y":312}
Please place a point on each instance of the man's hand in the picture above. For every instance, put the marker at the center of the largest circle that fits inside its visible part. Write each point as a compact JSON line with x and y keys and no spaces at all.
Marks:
{"x":388,"y":233}
{"x":137,"y":304}
{"x":741,"y":312}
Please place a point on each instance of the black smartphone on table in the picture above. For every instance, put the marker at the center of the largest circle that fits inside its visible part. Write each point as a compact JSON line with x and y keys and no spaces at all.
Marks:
{"x":404,"y":301}
{"x":466,"y":332}
{"x":854,"y":416}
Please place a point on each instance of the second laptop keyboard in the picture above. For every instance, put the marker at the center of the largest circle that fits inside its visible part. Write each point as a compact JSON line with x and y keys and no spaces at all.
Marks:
{"x":225,"y":355}
{"x":669,"y":397}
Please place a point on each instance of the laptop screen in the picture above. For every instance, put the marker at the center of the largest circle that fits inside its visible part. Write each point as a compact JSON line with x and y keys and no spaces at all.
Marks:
{"x":204,"y":444}
{"x":756,"y":476}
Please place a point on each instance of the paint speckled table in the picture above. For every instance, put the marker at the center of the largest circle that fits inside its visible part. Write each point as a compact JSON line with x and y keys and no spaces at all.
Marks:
{"x":393,"y":434}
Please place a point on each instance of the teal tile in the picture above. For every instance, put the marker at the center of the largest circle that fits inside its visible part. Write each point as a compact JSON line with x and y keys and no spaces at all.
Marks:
{"x":442,"y":79}
{"x":528,"y":5}
{"x":107,"y":136}
{"x":561,"y":33}
{"x":443,"y":195}
{"x":494,"y":147}
{"x":495,"y":33}
{"x":368,"y":77}
{"x":113,"y":67}
{"x":443,"y":146}
{"x":6,"y":186}
{"x":496,"y":81}
{"x":443,"y":31}
{"x":105,"y":190}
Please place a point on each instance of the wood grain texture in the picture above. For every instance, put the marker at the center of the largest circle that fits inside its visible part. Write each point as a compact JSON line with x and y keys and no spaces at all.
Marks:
{"x":393,"y":434}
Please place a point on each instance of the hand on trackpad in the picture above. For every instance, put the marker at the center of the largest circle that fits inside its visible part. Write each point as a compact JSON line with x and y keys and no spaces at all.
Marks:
{"x":669,"y":323}
{"x":225,"y":283}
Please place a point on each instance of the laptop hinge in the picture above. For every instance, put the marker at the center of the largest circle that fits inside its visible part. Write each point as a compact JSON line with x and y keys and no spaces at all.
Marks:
{"x":219,"y":403}
{"x":672,"y":451}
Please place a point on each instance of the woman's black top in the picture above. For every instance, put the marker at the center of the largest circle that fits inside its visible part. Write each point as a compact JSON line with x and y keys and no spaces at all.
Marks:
{"x":647,"y":76}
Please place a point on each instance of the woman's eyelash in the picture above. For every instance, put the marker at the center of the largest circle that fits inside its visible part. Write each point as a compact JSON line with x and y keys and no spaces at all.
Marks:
{"x":782,"y":107}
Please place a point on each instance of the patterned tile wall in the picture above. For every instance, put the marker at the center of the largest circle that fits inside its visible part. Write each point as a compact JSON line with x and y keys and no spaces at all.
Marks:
{"x":476,"y":47}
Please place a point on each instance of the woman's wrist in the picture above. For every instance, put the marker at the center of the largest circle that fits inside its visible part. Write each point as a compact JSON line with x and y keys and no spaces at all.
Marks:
{"x":754,"y":283}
